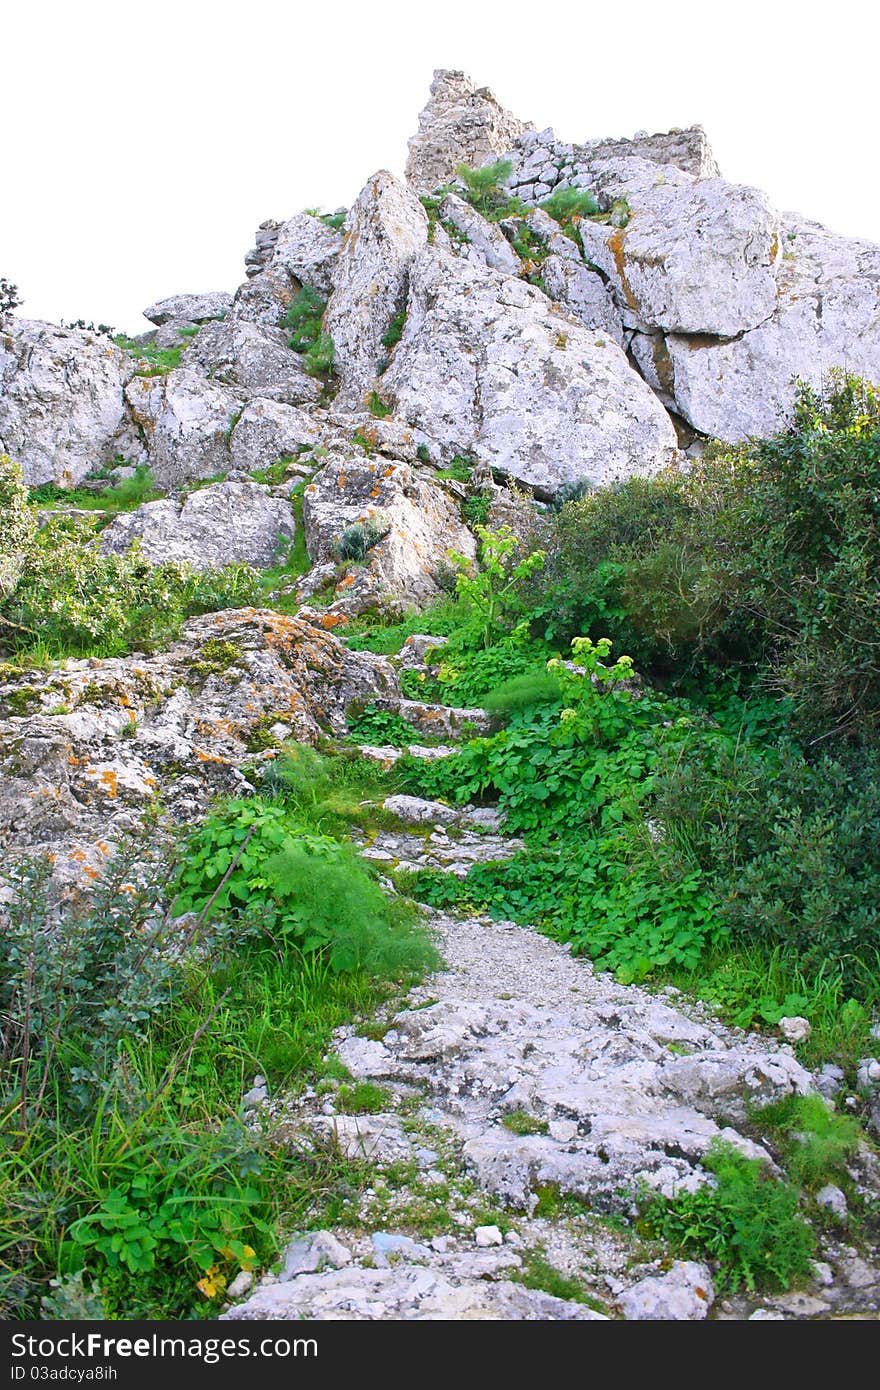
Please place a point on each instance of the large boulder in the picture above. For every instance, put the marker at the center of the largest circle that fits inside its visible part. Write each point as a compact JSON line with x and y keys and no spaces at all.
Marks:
{"x":214,"y":526}
{"x":418,"y":522}
{"x":307,"y":249}
{"x":471,"y":236}
{"x":461,"y":124}
{"x":166,"y":732}
{"x":827,"y":314}
{"x":385,"y":230}
{"x":699,"y":257}
{"x":269,"y":430}
{"x":301,"y":251}
{"x":488,"y":367}
{"x":252,"y":359}
{"x":186,"y":421}
{"x":189,"y":308}
{"x":62,"y":408}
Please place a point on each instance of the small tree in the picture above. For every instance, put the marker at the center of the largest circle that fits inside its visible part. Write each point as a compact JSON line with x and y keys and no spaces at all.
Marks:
{"x":9,"y":298}
{"x":492,"y":593}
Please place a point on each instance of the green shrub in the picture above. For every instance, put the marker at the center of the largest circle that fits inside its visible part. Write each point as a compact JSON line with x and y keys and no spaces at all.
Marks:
{"x":747,"y":1223}
{"x":394,"y":332}
{"x":17,"y":525}
{"x":816,"y":1141}
{"x":357,"y":539}
{"x":379,"y":408}
{"x":789,"y":844}
{"x":311,"y":893}
{"x":71,"y":599}
{"x":483,"y":189}
{"x":304,"y":318}
{"x":319,"y":358}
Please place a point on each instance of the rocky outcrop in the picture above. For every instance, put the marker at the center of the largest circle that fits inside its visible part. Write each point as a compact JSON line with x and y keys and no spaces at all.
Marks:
{"x":224,"y":524}
{"x":186,"y":421}
{"x":189,"y":308}
{"x":461,"y":124}
{"x":694,"y":258}
{"x":269,"y":430}
{"x":826,"y":314}
{"x":175,"y":726}
{"x":305,"y":246}
{"x":477,"y":240}
{"x":385,"y":230}
{"x":486,"y":366}
{"x":417,"y":522}
{"x":62,"y":409}
{"x":301,"y":251}
{"x":254,"y":360}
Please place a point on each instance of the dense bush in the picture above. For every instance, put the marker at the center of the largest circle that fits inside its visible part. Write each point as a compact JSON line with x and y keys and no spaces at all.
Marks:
{"x":17,"y":524}
{"x":309,"y":891}
{"x":791,"y":845}
{"x":763,"y":559}
{"x":746,"y":1221}
{"x":71,"y":599}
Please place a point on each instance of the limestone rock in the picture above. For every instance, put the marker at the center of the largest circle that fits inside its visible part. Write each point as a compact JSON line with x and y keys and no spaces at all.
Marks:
{"x":684,"y":1293}
{"x":62,"y":409}
{"x":418,"y":522}
{"x":307,"y":249}
{"x":483,"y":242}
{"x":317,"y":1251}
{"x":218,"y":525}
{"x":385,"y":230}
{"x":268,"y":430}
{"x":189,"y":308}
{"x":252,"y":360}
{"x":405,"y":1291}
{"x":461,"y":124}
{"x":186,"y":421}
{"x":564,"y":1044}
{"x":583,"y":294}
{"x":795,"y":1029}
{"x":695,"y":258}
{"x":302,"y":251}
{"x":827,"y":315}
{"x":487,"y":367}
{"x":173,"y":725}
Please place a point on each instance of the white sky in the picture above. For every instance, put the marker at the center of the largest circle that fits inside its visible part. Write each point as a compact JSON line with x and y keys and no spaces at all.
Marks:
{"x":143,"y":143}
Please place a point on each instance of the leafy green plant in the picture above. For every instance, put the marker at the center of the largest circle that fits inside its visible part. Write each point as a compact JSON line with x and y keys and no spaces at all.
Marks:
{"x":483,"y":189}
{"x":357,"y":539}
{"x":304,"y":318}
{"x":492,"y":594}
{"x":745,"y":1221}
{"x":319,"y":358}
{"x":379,"y":408}
{"x":816,"y":1141}
{"x":313,"y":893}
{"x":381,"y":727}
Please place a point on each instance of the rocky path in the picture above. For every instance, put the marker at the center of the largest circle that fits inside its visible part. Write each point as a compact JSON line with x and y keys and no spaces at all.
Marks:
{"x":524,"y":1100}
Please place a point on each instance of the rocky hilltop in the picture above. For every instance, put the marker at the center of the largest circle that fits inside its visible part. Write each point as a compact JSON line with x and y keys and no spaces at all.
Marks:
{"x":398,"y":394}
